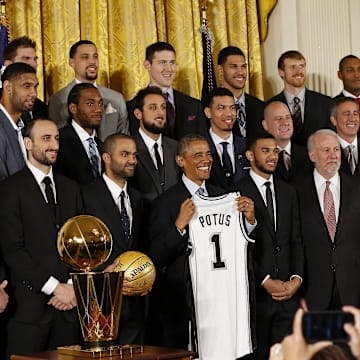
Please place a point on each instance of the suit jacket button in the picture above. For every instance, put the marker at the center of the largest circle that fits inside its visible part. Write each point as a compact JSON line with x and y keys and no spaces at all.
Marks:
{"x":23,"y":282}
{"x":333,"y":246}
{"x":276,"y":270}
{"x":277,"y":248}
{"x":227,"y":174}
{"x":333,"y":268}
{"x":30,"y":288}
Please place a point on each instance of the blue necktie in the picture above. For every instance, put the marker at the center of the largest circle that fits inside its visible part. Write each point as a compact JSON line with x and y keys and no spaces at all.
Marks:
{"x":93,"y":157}
{"x":124,"y":217}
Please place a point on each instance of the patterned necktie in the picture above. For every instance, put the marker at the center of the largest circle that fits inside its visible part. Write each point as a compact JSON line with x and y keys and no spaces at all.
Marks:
{"x":286,"y":159}
{"x":94,"y":162}
{"x":226,"y":161}
{"x":170,"y":117}
{"x":241,"y":118}
{"x":124,"y":217}
{"x":270,"y":202}
{"x":296,"y":116}
{"x":159,"y":164}
{"x":200,"y":191}
{"x":49,"y":193}
{"x":329,"y":211}
{"x":351,"y":159}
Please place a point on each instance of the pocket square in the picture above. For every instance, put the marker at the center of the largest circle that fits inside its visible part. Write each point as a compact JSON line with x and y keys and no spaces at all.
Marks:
{"x":191,"y":117}
{"x":109,"y":109}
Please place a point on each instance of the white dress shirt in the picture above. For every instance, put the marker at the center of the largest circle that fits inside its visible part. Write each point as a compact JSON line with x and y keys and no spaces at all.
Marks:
{"x":149,"y":142}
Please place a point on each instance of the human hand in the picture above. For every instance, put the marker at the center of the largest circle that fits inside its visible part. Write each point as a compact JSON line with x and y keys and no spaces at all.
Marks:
{"x":4,"y":297}
{"x":246,"y":206}
{"x":274,"y":286}
{"x":64,"y":297}
{"x":353,"y":330}
{"x":294,"y":346}
{"x":186,"y":212}
{"x":291,"y":288}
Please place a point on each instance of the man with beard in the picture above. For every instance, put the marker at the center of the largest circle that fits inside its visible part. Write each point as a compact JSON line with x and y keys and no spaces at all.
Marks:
{"x":80,"y":149}
{"x":278,"y":251}
{"x":35,"y":204}
{"x":310,"y":110}
{"x":23,"y":49}
{"x":232,"y":69}
{"x":18,"y":95}
{"x":110,"y":198}
{"x":228,"y":150}
{"x":83,"y":58}
{"x":329,"y":212}
{"x":156,"y":170}
{"x":294,"y":162}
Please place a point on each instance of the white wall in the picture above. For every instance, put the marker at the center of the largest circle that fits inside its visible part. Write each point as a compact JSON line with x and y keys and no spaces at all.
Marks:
{"x":322,"y":30}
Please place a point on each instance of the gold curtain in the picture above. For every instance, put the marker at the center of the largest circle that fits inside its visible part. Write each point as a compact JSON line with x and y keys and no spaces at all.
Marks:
{"x":122,"y":29}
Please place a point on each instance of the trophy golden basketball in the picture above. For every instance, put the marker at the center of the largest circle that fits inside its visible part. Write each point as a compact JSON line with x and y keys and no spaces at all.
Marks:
{"x":84,"y":242}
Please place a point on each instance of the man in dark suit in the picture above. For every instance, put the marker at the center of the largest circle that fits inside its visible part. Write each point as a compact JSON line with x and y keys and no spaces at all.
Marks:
{"x":232,"y":69}
{"x":156,"y":170}
{"x":42,"y":315}
{"x":293,"y":163}
{"x":329,"y":213}
{"x":310,"y":110}
{"x":349,"y":74}
{"x":23,"y":49}
{"x":169,"y":241}
{"x":228,"y":150}
{"x":345,"y":118}
{"x":278,"y":251}
{"x":103,"y":200}
{"x":80,"y":150}
{"x":19,"y":93}
{"x":184,"y":113}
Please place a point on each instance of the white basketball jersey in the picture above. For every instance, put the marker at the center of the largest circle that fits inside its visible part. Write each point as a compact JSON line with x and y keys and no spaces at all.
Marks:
{"x":218,"y":266}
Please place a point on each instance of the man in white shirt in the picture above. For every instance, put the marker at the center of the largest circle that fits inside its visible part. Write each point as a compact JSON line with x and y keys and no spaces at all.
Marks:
{"x":156,"y":170}
{"x":345,"y":118}
{"x":18,"y":95}
{"x":36,"y":203}
{"x":329,"y":213}
{"x":83,"y":58}
{"x":80,"y":148}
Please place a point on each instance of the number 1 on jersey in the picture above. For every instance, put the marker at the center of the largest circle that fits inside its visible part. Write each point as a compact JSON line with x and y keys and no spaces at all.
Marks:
{"x":218,"y":263}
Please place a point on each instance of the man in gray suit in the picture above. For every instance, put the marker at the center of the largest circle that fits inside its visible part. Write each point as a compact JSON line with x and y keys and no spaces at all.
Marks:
{"x":83,"y":58}
{"x":156,"y":170}
{"x":18,"y":95}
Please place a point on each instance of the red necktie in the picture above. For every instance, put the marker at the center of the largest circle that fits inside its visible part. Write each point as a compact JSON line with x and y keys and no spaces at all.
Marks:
{"x":329,"y":211}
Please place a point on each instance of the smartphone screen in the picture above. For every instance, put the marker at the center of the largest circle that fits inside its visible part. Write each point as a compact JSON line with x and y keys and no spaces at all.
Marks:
{"x":326,"y":325}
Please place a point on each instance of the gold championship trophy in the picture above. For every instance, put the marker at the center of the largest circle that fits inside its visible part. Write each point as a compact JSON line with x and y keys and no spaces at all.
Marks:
{"x":84,"y":242}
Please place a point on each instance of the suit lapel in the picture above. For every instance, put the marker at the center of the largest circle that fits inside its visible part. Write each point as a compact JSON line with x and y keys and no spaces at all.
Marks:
{"x":345,"y":200}
{"x":168,"y":158}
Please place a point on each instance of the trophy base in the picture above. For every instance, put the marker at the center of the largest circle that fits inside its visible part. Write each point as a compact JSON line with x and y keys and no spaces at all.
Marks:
{"x":102,"y":352}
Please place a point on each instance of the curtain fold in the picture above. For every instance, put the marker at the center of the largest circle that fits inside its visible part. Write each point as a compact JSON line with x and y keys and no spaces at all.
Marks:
{"x":122,"y":29}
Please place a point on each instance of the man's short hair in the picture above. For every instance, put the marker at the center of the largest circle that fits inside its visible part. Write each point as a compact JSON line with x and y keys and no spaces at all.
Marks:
{"x":341,"y":62}
{"x":337,"y":102}
{"x":30,"y":125}
{"x":227,"y":51}
{"x":311,"y":140}
{"x":291,"y":54}
{"x":75,"y":93}
{"x":260,"y":134}
{"x":10,"y":50}
{"x":75,"y":46}
{"x":155,"y":47}
{"x":15,"y":70}
{"x":141,"y":95}
{"x":186,"y":140}
{"x":214,"y":93}
{"x":110,"y":141}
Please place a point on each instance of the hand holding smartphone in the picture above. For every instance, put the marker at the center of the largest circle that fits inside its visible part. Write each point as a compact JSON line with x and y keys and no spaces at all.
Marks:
{"x":326,"y":325}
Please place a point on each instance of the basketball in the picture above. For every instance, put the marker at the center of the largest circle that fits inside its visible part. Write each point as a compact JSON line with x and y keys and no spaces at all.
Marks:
{"x":139,"y":271}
